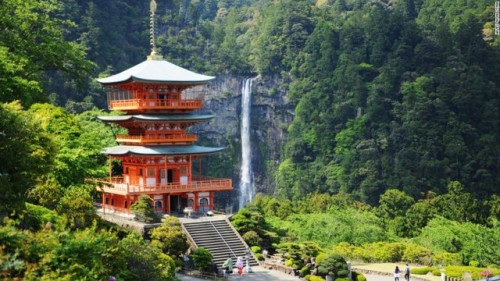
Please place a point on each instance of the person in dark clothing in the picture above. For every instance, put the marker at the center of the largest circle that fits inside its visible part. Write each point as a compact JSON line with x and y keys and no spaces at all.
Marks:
{"x":396,"y":273}
{"x":407,"y":273}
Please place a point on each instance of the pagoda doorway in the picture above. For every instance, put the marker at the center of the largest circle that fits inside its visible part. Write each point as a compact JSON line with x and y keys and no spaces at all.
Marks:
{"x":177,"y":203}
{"x":169,"y":176}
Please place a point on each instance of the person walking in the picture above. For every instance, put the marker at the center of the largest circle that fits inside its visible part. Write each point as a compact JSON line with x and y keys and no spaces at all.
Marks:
{"x":239,"y":265}
{"x":228,"y":267}
{"x":407,"y":273}
{"x":396,"y":273}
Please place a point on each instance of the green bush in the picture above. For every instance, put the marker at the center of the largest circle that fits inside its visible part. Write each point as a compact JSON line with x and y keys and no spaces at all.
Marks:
{"x":421,"y":270}
{"x":259,"y":257}
{"x":202,"y":259}
{"x":304,"y":271}
{"x":474,"y":263}
{"x":343,"y":279}
{"x":256,"y":249}
{"x":252,"y":238}
{"x":436,"y":272}
{"x":316,"y":278}
{"x":416,"y":254}
{"x":476,"y":272}
{"x":289,"y":263}
{"x":360,"y":277}
{"x":321,"y":257}
{"x":333,"y":265}
{"x":445,"y":258}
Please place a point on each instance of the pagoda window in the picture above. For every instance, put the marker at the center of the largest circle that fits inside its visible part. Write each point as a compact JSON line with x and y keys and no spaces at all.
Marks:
{"x":151,"y":172}
{"x":183,"y":170}
{"x":125,"y":204}
{"x":140,"y":172}
{"x":158,"y":204}
{"x":203,"y":201}
{"x":107,"y":201}
{"x":126,"y":170}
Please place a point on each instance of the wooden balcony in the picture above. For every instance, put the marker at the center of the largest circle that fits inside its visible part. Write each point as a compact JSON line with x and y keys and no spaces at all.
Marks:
{"x":147,"y":139}
{"x":117,"y":185}
{"x":155,"y":104}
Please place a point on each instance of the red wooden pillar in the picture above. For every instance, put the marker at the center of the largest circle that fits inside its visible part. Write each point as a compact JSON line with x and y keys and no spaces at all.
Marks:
{"x":211,"y":200}
{"x":103,"y":203}
{"x":195,"y":203}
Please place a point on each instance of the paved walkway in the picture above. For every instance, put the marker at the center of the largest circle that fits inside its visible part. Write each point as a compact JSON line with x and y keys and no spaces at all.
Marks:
{"x":259,"y":273}
{"x":372,"y":272}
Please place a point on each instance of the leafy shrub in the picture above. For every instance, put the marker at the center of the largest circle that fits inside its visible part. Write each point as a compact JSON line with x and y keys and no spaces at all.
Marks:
{"x":436,"y":272}
{"x":416,"y":254}
{"x":343,"y":279}
{"x":316,"y":278}
{"x":304,"y":271}
{"x":202,"y":259}
{"x":259,"y":257}
{"x":321,"y":257}
{"x":143,"y":210}
{"x":476,"y":272}
{"x":445,"y":258}
{"x":474,"y":263}
{"x":333,"y":265}
{"x":288,"y":262}
{"x":256,"y":249}
{"x":421,"y":270}
{"x":252,"y":238}
{"x":360,"y":277}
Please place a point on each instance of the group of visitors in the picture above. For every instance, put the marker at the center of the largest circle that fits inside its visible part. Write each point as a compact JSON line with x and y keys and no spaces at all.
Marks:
{"x":397,"y":272}
{"x":228,"y":266}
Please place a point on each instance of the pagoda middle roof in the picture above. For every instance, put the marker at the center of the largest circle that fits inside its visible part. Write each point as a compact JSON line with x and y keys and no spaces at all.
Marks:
{"x":160,"y":150}
{"x":157,"y":71}
{"x":156,"y":117}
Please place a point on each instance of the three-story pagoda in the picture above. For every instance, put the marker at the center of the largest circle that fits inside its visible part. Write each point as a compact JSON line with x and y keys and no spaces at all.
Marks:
{"x":158,"y":155}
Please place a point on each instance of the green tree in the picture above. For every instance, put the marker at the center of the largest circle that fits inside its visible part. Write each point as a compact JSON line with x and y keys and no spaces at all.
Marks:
{"x":394,"y":203}
{"x":34,"y":42}
{"x":77,"y":207}
{"x":202,"y":259}
{"x":333,"y":265}
{"x":143,"y":210}
{"x":27,"y":153}
{"x":170,"y":238}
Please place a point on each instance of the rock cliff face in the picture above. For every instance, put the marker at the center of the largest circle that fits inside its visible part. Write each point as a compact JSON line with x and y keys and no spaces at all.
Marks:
{"x":270,"y":116}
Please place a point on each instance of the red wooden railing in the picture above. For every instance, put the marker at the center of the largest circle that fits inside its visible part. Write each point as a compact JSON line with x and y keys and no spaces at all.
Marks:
{"x":156,"y":138}
{"x":117,"y":185}
{"x":142,"y":104}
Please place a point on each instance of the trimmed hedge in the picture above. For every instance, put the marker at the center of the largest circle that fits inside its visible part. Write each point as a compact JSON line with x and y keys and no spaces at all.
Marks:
{"x":422,"y":270}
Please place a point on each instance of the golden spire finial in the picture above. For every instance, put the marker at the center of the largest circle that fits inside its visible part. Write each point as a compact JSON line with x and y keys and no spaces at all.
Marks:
{"x":154,"y":55}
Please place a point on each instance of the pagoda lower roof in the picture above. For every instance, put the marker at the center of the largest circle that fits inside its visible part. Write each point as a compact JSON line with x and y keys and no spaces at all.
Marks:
{"x":160,"y":150}
{"x":156,"y":117}
{"x":157,"y":71}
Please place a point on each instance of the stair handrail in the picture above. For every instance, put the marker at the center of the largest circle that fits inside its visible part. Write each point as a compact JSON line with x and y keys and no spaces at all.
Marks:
{"x":190,"y":239}
{"x":241,"y":239}
{"x":224,"y":240}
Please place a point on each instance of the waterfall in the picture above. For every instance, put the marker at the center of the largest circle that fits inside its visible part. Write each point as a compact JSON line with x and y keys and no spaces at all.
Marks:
{"x":246,"y":184}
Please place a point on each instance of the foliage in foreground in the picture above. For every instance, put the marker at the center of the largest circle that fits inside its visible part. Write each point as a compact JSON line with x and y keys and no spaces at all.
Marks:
{"x":41,"y":247}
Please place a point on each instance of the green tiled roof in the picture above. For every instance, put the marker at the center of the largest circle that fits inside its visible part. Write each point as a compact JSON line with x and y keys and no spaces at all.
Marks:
{"x":157,"y":71}
{"x":153,"y":117}
{"x":160,"y":150}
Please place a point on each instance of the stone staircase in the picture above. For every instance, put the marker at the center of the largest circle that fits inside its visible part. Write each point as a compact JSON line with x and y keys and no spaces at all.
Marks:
{"x":218,"y":237}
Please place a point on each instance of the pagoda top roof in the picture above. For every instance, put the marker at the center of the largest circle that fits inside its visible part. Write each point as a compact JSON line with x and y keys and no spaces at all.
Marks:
{"x":160,"y":150}
{"x":156,"y":117}
{"x":157,"y":71}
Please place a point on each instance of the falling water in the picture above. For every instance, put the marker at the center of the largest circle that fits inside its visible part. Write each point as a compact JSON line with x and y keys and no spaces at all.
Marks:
{"x":246,"y":185}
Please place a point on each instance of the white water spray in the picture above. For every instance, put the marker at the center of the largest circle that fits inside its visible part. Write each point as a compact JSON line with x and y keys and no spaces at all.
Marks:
{"x":246,"y":184}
